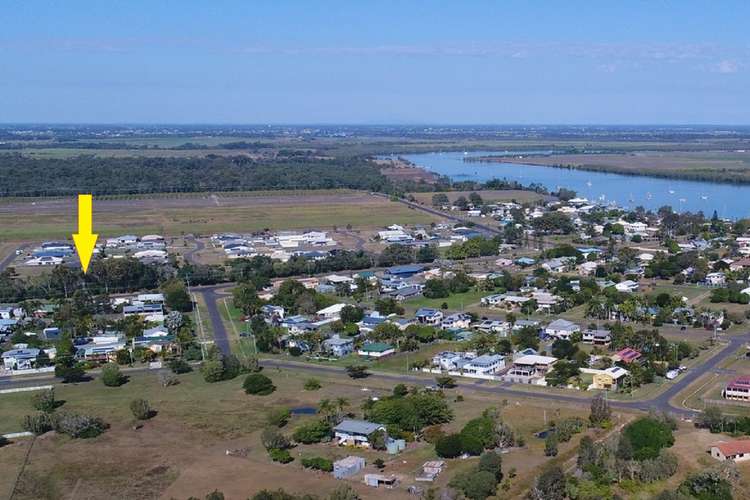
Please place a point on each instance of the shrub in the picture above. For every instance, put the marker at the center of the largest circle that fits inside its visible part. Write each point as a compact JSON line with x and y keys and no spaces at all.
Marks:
{"x":258,"y":384}
{"x":70,"y":373}
{"x":141,"y":409}
{"x":3,"y":441}
{"x":278,"y":417}
{"x":312,"y":384}
{"x":357,"y":371}
{"x":312,"y":432}
{"x":179,"y":366}
{"x":212,"y":370}
{"x":111,"y":375}
{"x":318,"y":463}
{"x":647,"y":436}
{"x":274,"y":440}
{"x":168,"y":379}
{"x":550,"y":444}
{"x":80,"y":426}
{"x":475,"y":484}
{"x":449,"y":446}
{"x":295,"y":351}
{"x":281,"y":456}
{"x":45,"y":401}
{"x":38,"y":423}
{"x":493,"y":463}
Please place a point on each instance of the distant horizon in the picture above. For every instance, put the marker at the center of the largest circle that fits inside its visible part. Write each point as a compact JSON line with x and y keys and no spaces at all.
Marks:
{"x":373,"y":124}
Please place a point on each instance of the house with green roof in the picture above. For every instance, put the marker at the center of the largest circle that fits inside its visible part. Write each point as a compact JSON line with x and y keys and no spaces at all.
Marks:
{"x":376,"y":350}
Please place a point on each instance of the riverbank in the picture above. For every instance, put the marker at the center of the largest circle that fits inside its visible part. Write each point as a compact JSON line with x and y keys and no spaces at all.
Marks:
{"x":728,"y":167}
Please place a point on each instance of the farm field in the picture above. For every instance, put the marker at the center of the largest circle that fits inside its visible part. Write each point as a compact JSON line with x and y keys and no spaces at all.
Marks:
{"x":23,"y":220}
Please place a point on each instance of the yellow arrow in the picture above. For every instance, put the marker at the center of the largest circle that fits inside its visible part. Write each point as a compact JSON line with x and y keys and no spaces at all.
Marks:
{"x":84,"y":238}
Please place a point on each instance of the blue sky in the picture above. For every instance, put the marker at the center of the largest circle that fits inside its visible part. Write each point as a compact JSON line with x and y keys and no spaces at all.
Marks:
{"x":369,"y":62}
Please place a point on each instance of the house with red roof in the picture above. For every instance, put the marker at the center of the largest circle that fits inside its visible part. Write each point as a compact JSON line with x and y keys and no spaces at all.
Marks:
{"x":737,"y":450}
{"x":738,"y":389}
{"x":627,"y":356}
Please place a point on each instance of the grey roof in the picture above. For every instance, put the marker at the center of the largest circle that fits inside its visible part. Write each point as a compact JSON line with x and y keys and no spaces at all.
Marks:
{"x":362,"y":427}
{"x":562,"y":324}
{"x":486,"y":360}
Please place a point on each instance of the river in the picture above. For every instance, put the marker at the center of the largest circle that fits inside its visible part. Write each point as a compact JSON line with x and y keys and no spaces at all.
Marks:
{"x":628,"y":191}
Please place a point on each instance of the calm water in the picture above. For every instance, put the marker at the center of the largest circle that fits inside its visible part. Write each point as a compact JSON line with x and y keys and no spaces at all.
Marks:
{"x":729,"y":200}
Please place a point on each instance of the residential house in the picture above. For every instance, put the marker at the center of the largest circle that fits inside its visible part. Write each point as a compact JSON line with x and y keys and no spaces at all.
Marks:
{"x":492,"y":300}
{"x":596,"y":337}
{"x":20,"y":359}
{"x":486,"y":364}
{"x":101,"y":347}
{"x":530,"y":369}
{"x":331,"y":312}
{"x":451,"y":361}
{"x":520,"y":324}
{"x":627,"y":356}
{"x":405,"y":271}
{"x":738,"y":389}
{"x":406,"y":293}
{"x":376,"y":350}
{"x":562,"y":329}
{"x":338,"y":346}
{"x":494,"y":326}
{"x":737,"y":450}
{"x":355,"y":432}
{"x":456,"y":321}
{"x":716,"y":279}
{"x":429,"y":316}
{"x":608,"y":379}
{"x":627,"y":286}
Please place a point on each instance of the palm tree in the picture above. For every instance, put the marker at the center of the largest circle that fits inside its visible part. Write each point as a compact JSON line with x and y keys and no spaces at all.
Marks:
{"x":327,"y":409}
{"x":340,"y":404}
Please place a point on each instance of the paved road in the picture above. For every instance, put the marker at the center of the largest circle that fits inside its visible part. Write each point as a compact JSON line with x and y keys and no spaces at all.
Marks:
{"x":190,"y":254}
{"x":211,"y":298}
{"x":9,"y":258}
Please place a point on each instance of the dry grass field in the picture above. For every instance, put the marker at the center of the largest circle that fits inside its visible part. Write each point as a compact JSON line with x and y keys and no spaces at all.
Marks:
{"x":176,"y":214}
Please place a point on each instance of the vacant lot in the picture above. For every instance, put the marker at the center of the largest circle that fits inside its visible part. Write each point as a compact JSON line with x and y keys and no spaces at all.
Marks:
{"x":176,"y":214}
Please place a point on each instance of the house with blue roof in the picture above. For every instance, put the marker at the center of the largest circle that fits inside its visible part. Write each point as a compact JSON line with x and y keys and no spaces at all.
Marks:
{"x":405,"y":271}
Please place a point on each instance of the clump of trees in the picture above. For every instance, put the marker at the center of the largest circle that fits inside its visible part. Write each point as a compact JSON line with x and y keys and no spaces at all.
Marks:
{"x":277,"y":445}
{"x":481,"y":481}
{"x":406,"y":415}
{"x":487,"y":431}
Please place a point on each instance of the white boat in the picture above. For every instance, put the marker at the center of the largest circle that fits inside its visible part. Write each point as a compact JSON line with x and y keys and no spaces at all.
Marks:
{"x":704,"y":197}
{"x":671,"y":191}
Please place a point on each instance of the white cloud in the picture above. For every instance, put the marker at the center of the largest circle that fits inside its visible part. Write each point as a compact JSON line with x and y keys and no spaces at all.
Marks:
{"x":727,"y":66}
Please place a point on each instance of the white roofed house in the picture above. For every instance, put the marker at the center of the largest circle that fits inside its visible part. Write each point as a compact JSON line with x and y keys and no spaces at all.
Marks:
{"x":486,"y":364}
{"x":501,"y":328}
{"x":450,"y":361}
{"x":492,"y":300}
{"x":716,"y":279}
{"x":355,"y":432}
{"x":530,"y":369}
{"x":562,"y":329}
{"x":627,"y":286}
{"x":331,"y":312}
{"x":429,"y":316}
